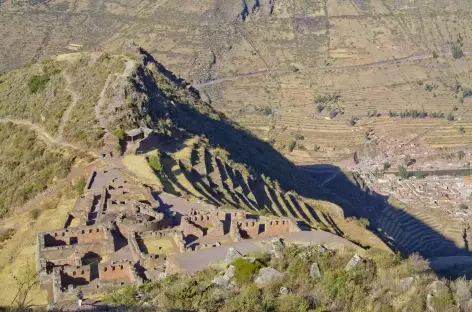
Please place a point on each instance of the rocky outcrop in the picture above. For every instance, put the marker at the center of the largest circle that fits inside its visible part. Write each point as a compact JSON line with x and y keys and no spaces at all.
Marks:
{"x":268,"y":276}
{"x":438,"y":288}
{"x":435,"y":289}
{"x":405,"y":283}
{"x":232,"y":255}
{"x":315,"y":270}
{"x":277,"y":247}
{"x":225,"y":279}
{"x":355,"y":260}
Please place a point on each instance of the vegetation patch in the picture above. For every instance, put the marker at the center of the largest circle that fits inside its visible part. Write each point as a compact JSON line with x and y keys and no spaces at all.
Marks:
{"x":245,"y":271}
{"x":28,"y":166}
{"x":373,"y":284}
{"x":35,"y":93}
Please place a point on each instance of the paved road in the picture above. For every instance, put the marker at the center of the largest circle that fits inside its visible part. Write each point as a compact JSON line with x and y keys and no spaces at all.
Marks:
{"x":416,"y":57}
{"x":201,"y":259}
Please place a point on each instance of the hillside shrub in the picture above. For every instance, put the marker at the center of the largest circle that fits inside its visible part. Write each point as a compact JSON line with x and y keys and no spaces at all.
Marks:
{"x":125,"y":296}
{"x":156,"y":164}
{"x":35,"y":213}
{"x":120,"y":134}
{"x":291,"y":145}
{"x":80,"y":185}
{"x":245,"y":271}
{"x":7,"y":235}
{"x":456,"y":50}
{"x":443,"y":302}
{"x":28,"y":166}
{"x":38,"y":82}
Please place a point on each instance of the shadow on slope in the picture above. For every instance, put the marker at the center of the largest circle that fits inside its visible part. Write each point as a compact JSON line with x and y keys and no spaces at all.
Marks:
{"x":171,"y":105}
{"x":188,"y":115}
{"x":399,"y":229}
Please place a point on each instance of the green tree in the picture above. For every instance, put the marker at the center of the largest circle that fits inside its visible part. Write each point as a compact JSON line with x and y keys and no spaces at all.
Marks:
{"x":155,"y":163}
{"x":38,"y":82}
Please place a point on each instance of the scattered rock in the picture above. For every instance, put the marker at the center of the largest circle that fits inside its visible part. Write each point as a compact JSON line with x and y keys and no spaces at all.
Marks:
{"x":277,"y":247}
{"x":315,"y":270}
{"x":277,"y":244}
{"x":284,"y":290}
{"x":250,"y":259}
{"x":268,"y":276}
{"x":321,"y":249}
{"x":437,"y":288}
{"x":353,"y":262}
{"x":225,"y":279}
{"x":232,"y":255}
{"x":405,"y":283}
{"x":429,"y":303}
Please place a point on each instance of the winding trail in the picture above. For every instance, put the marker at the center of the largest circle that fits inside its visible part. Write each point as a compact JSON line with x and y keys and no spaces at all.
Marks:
{"x":129,"y":66}
{"x":416,"y":57}
{"x":66,"y":116}
{"x":44,"y":135}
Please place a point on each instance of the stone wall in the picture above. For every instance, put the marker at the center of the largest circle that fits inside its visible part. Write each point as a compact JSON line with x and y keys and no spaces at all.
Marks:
{"x":121,"y":271}
{"x":74,"y":236}
{"x":249,"y":228}
{"x":189,"y":228}
{"x":234,"y":233}
{"x":279,"y":227}
{"x":153,"y":261}
{"x":75,"y":275}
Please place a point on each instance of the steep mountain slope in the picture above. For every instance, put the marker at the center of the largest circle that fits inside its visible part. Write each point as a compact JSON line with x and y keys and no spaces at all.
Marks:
{"x":203,"y":153}
{"x":27,"y":165}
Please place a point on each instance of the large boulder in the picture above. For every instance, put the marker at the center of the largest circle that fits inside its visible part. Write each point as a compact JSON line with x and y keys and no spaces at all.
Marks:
{"x":232,"y":255}
{"x":268,"y":276}
{"x":437,"y":288}
{"x":278,"y":247}
{"x":225,"y":279}
{"x":315,"y":270}
{"x":405,"y":283}
{"x":353,"y":262}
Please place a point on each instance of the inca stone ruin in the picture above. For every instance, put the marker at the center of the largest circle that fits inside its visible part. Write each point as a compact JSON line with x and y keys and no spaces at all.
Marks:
{"x":121,"y":232}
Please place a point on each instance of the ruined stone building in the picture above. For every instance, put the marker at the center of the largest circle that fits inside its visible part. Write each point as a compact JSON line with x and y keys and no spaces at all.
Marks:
{"x":118,"y":233}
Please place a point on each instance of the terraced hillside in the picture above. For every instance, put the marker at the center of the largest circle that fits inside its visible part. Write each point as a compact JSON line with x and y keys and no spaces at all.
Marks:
{"x":109,"y":94}
{"x":430,"y":232}
{"x":225,"y":164}
{"x":264,"y":63}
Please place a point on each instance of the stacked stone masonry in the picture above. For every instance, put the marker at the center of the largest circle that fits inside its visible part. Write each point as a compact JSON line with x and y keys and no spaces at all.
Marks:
{"x":118,"y":233}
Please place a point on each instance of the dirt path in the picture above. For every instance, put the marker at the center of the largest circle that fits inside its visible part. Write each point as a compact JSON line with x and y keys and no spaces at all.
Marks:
{"x":416,"y":57}
{"x":44,"y":135}
{"x":66,"y":116}
{"x":129,"y":66}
